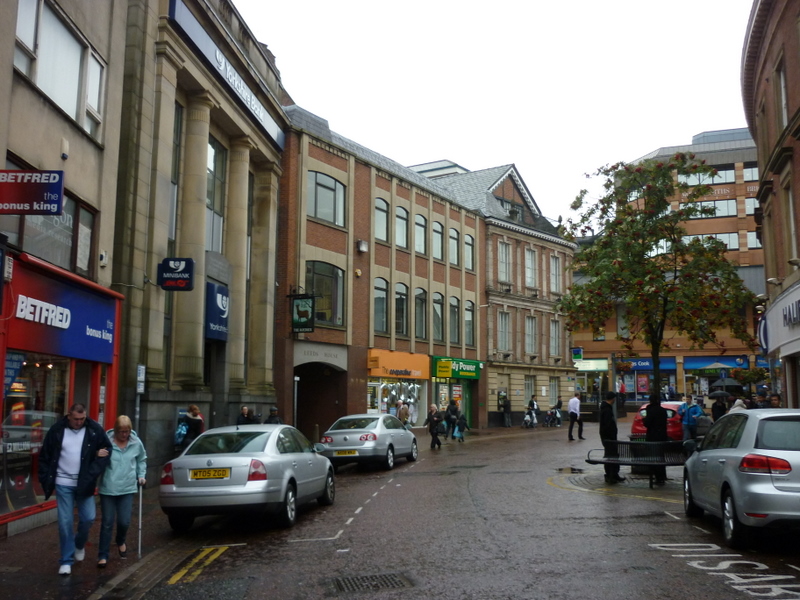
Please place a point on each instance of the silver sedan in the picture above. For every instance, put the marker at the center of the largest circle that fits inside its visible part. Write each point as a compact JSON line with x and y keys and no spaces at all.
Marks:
{"x":271,"y":468}
{"x":369,"y":438}
{"x":746,"y":471}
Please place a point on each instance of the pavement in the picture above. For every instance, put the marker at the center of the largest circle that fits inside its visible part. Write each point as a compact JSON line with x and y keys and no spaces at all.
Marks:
{"x":29,"y":560}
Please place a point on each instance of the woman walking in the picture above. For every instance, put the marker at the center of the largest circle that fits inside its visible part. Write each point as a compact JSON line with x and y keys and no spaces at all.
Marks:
{"x":433,"y":421}
{"x":118,"y":486}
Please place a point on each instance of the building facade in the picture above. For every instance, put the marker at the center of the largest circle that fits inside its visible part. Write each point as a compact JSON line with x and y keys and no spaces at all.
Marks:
{"x":771,"y":96}
{"x":683,"y":369}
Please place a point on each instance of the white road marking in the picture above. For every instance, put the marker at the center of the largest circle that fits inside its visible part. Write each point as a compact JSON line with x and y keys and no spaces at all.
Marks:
{"x":358,"y":510}
{"x":671,"y":515}
{"x":795,"y":568}
{"x":350,"y":520}
{"x":336,"y":537}
{"x":343,"y":550}
{"x":701,"y":529}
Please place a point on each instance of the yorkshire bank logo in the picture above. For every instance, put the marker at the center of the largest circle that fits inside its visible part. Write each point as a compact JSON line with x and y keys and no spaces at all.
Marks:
{"x":223,"y":303}
{"x":177,"y":265}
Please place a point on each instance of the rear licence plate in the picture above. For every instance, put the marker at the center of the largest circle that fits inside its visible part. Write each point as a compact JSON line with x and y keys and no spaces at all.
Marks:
{"x":346,"y":453}
{"x":211,"y":473}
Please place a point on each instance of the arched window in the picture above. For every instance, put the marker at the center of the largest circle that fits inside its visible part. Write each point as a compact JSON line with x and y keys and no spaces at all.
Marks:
{"x":401,"y":309}
{"x":454,"y":247}
{"x":421,"y":314}
{"x":401,"y":227}
{"x":326,"y":282}
{"x":381,"y":220}
{"x":381,"y":305}
{"x":455,"y":320}
{"x":420,"y":234}
{"x":325,"y":198}
{"x":469,"y":252}
{"x":438,"y":317}
{"x":438,"y":241}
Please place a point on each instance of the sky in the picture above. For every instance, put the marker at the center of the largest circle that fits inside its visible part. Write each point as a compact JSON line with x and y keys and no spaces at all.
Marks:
{"x":558,"y":88}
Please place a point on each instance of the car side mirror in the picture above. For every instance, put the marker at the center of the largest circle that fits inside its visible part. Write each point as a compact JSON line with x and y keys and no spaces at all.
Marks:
{"x":319,"y":447}
{"x":690,"y":447}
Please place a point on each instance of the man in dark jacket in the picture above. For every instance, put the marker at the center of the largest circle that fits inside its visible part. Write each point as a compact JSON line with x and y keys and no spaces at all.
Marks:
{"x":75,"y":452}
{"x":608,"y":435}
{"x":655,"y":420}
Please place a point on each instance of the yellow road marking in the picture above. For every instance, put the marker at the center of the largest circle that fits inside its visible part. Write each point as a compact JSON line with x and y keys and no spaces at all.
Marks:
{"x":211,"y":553}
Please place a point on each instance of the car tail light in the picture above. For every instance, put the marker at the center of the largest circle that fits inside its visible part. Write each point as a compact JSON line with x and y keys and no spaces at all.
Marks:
{"x":166,"y":475}
{"x":258,"y":472}
{"x":368,"y":437}
{"x":326,"y":439}
{"x":758,"y":463}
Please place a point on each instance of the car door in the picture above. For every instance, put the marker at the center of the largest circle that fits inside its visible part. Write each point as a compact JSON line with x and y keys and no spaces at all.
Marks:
{"x":717,"y":456}
{"x":399,"y":436}
{"x":294,"y":460}
{"x":314,"y":466}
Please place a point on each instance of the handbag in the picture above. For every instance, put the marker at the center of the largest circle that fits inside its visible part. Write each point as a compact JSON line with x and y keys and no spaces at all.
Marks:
{"x":440,"y":428}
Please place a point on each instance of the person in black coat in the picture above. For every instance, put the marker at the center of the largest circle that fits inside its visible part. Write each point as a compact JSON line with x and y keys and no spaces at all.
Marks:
{"x":718,"y":409}
{"x":451,"y":416}
{"x":433,"y":421}
{"x":608,"y":435}
{"x":655,"y":420}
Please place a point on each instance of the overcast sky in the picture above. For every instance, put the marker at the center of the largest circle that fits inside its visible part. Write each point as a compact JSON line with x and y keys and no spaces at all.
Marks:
{"x":559,"y":88}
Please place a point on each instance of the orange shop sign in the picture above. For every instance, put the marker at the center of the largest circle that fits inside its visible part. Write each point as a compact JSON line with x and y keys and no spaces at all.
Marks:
{"x":404,"y":365}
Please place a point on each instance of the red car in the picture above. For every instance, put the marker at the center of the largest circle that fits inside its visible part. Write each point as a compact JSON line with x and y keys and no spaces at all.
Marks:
{"x":674,"y":426}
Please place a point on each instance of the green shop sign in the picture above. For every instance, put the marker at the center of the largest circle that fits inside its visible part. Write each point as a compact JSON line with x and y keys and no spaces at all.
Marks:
{"x":456,"y":368}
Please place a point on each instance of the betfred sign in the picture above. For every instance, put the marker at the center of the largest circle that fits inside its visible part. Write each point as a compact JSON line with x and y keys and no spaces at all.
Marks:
{"x":31,"y":192}
{"x":176,"y":274}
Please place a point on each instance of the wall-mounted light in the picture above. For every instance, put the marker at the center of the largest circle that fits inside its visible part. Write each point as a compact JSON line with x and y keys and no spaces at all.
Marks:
{"x":774,"y":281}
{"x":362,"y":246}
{"x":762,"y":297}
{"x":760,"y":307}
{"x":795,"y":262}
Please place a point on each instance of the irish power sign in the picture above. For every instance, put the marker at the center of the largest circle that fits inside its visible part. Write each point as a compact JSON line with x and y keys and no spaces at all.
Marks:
{"x":31,"y":192}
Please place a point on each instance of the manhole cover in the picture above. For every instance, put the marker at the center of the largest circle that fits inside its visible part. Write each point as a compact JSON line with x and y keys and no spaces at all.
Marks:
{"x":366,"y":583}
{"x":569,"y":470}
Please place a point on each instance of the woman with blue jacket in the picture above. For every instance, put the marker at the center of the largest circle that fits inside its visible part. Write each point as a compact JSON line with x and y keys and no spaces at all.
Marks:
{"x":118,"y":486}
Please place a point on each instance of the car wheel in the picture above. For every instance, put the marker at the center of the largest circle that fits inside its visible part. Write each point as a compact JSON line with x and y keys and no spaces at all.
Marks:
{"x":689,"y":507}
{"x":180,"y":523}
{"x":414,"y":452}
{"x":388,"y":461}
{"x":329,"y":493}
{"x":288,"y":514}
{"x":733,"y":531}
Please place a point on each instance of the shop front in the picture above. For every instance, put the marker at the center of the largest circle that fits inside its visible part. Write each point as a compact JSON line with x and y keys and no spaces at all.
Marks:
{"x":456,"y":379}
{"x":592,"y":379}
{"x":394,"y":376}
{"x":61,"y":348}
{"x":634,"y":377}
{"x":700,"y":373}
{"x":779,"y":335}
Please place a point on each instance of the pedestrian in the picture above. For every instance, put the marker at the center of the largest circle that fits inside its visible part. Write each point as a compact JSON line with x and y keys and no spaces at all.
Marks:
{"x":196,"y":425}
{"x":273,"y":418}
{"x":559,"y":407}
{"x":737,"y":406}
{"x":451,"y":417}
{"x":574,"y":409}
{"x":608,"y":436}
{"x":433,"y":421}
{"x":689,"y":411}
{"x":461,"y":426}
{"x":774,"y":401}
{"x":246,"y":417}
{"x":402,"y":412}
{"x":126,"y":471}
{"x":75,"y":452}
{"x":655,"y":420}
{"x":506,"y":411}
{"x":719,"y":408}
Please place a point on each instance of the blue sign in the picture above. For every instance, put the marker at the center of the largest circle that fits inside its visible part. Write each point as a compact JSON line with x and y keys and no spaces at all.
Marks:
{"x":665,"y":363}
{"x":176,"y":274}
{"x":217,"y":307}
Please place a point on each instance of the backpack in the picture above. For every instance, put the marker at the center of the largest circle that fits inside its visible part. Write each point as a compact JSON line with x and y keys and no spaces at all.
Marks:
{"x":180,"y":432}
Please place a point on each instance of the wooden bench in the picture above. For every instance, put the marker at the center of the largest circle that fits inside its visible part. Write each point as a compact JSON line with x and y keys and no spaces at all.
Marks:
{"x":641,"y":454}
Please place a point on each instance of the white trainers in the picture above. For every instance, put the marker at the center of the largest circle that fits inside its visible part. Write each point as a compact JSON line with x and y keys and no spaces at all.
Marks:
{"x":65,"y":570}
{"x":80,"y":554}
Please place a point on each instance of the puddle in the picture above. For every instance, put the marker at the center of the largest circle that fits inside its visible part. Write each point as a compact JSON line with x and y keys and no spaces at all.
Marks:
{"x":569,"y":470}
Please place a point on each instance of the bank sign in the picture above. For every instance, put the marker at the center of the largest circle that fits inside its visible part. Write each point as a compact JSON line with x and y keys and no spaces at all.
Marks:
{"x":57,"y":317}
{"x":31,"y":192}
{"x":217,"y":308}
{"x":456,"y":368}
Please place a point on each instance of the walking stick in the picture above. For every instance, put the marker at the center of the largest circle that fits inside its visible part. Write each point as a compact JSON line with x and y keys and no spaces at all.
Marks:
{"x":141,"y":487}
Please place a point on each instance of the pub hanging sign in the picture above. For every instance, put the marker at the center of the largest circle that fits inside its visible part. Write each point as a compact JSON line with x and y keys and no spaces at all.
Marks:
{"x":302,"y":307}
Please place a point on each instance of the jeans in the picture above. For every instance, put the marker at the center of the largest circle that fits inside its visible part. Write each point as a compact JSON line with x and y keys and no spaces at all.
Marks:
{"x":689,"y":431}
{"x":66,"y":501}
{"x":114,"y":508}
{"x":507,"y":419}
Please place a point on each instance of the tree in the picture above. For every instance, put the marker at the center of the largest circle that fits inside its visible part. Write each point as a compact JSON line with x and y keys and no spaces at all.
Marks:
{"x":640,"y":256}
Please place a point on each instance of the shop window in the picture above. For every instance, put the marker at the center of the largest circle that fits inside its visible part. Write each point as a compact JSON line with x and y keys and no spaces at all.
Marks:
{"x":325,"y":198}
{"x":326,"y":282}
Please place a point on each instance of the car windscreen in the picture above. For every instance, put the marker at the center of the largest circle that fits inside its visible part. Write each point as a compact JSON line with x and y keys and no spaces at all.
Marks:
{"x":779,"y":433}
{"x":355,"y":423}
{"x":230,"y":443}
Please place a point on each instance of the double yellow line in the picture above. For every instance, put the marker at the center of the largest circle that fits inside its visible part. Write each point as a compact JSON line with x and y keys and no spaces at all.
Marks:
{"x":207,"y":555}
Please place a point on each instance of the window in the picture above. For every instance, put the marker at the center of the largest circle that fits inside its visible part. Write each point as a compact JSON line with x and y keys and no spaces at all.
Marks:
{"x":750,"y":171}
{"x":438,"y":241}
{"x":469,"y":252}
{"x":783,"y":110}
{"x":555,"y":338}
{"x":503,"y":330}
{"x":555,"y":274}
{"x":469,"y":323}
{"x":725,"y":174}
{"x":454,"y":254}
{"x":401,"y":309}
{"x":455,"y":320}
{"x":622,"y":322}
{"x":381,"y":305}
{"x":327,"y":283}
{"x":503,"y":262}
{"x":438,"y":317}
{"x":420,"y":234}
{"x":731,"y":240}
{"x":215,"y":195}
{"x":721,"y":208}
{"x":750,"y":205}
{"x":530,"y":335}
{"x":752,"y":240}
{"x":175,"y":172}
{"x":60,"y":61}
{"x":381,"y":219}
{"x":421,"y":314}
{"x":401,"y":227}
{"x":530,"y":267}
{"x":325,"y":198}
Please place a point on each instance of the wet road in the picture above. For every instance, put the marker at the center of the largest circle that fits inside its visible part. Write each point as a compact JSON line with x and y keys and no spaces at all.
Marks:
{"x":512,"y":515}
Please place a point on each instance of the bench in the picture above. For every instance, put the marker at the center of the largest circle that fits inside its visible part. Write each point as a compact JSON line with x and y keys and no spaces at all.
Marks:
{"x":638,"y":453}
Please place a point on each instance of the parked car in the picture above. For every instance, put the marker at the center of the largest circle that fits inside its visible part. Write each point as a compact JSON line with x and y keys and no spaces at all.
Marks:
{"x":27,"y":428}
{"x":674,"y":426}
{"x":259,"y":468}
{"x":746,"y":471}
{"x":369,"y":438}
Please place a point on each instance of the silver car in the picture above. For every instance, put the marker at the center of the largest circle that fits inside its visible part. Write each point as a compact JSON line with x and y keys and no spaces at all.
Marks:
{"x":746,"y":471}
{"x":369,"y":438}
{"x":265,"y":468}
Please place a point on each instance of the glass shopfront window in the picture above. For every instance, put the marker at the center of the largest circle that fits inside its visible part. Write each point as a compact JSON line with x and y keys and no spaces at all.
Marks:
{"x":385,"y":392}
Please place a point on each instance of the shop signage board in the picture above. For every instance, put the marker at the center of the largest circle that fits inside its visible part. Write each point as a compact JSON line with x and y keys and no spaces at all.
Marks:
{"x":31,"y":192}
{"x":176,"y":274}
{"x":217,"y":308}
{"x":456,"y":368}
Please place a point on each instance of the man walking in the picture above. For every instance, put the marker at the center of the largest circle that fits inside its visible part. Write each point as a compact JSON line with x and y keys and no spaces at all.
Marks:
{"x":75,"y":452}
{"x":608,"y":435}
{"x":574,"y":408}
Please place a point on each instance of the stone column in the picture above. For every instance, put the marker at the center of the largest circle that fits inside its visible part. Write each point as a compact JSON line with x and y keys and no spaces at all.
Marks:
{"x":189,"y":319}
